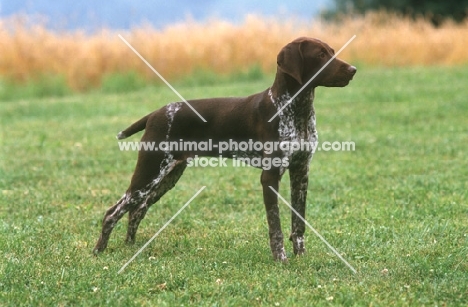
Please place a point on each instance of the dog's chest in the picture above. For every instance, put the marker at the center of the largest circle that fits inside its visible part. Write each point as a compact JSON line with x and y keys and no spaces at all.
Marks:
{"x":297,"y":127}
{"x":296,"y":124}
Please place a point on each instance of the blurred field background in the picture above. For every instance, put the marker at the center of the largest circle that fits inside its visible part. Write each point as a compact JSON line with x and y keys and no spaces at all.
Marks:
{"x":60,"y":62}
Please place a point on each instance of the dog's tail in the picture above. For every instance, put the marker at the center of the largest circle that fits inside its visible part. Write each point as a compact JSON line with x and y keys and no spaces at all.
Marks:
{"x":134,"y":128}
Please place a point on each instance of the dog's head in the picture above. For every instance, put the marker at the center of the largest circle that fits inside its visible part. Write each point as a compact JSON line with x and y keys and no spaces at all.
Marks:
{"x":304,"y":57}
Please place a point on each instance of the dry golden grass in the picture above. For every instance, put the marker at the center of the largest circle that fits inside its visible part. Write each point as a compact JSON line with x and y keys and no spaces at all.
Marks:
{"x":382,"y":39}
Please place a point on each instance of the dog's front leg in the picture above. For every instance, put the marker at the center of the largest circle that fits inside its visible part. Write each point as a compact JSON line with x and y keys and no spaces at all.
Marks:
{"x":270,"y":178}
{"x":299,"y":181}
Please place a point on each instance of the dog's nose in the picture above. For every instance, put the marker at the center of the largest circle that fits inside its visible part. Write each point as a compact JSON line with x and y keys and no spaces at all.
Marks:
{"x":352,"y":70}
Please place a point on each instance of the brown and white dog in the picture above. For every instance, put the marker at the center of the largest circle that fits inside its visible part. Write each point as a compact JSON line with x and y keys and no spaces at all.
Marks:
{"x":239,"y":120}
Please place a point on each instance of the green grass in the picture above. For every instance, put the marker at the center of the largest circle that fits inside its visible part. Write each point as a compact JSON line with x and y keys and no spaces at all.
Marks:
{"x":44,"y":85}
{"x":397,"y":203}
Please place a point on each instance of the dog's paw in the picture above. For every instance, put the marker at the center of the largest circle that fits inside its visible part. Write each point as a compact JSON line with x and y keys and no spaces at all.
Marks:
{"x":280,"y":256}
{"x":130,"y":241}
{"x":100,"y":246}
{"x":96,"y":252}
{"x":298,"y":245}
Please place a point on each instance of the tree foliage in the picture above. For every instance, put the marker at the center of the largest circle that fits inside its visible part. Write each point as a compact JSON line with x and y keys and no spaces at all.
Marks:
{"x":435,"y":10}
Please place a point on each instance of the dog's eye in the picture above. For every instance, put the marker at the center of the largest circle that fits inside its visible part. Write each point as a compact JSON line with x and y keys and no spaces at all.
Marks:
{"x":322,"y":55}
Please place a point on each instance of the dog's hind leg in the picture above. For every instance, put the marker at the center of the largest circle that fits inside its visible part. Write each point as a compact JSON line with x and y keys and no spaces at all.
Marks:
{"x":136,"y":200}
{"x":166,"y":180}
{"x":148,"y":166}
{"x":112,"y":216}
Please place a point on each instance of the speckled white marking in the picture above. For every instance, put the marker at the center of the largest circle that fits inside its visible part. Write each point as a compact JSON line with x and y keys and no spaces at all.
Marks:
{"x":171,"y":110}
{"x":299,"y":244}
{"x":292,"y":126}
{"x":167,"y":163}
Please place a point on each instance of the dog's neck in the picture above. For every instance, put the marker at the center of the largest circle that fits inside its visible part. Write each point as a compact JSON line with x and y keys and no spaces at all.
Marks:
{"x":284,"y":88}
{"x":297,"y":117}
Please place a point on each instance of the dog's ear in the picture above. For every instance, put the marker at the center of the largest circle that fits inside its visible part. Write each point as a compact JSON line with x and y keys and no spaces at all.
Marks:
{"x":290,"y":60}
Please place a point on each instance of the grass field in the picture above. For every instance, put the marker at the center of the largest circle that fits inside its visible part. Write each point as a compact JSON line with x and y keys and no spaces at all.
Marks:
{"x":396,"y":207}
